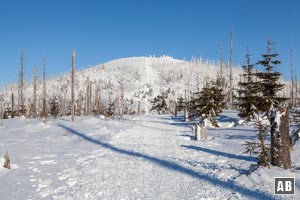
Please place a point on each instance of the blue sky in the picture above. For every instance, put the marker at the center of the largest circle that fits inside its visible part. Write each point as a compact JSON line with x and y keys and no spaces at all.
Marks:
{"x":102,"y":30}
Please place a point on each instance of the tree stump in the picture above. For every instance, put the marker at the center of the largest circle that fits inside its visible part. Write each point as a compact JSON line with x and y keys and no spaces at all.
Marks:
{"x":281,"y":140}
{"x":204,"y":132}
{"x":6,"y":161}
{"x":197,"y":132}
{"x":203,"y":126}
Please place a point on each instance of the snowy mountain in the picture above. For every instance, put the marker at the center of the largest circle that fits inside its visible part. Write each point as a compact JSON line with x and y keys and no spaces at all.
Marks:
{"x":143,"y":78}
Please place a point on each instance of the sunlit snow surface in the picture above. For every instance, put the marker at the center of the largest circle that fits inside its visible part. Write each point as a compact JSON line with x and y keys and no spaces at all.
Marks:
{"x":140,"y":157}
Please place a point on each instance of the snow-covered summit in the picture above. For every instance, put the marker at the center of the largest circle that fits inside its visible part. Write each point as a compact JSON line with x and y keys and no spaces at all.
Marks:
{"x":142,"y":77}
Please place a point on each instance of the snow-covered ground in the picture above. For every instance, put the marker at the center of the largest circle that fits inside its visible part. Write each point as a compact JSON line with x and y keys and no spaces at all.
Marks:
{"x":141,"y":157}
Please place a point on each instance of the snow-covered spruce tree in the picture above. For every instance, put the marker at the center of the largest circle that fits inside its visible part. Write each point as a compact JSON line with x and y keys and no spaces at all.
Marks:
{"x":269,"y":85}
{"x":54,"y":107}
{"x":159,"y":105}
{"x":179,"y":105}
{"x":110,"y":111}
{"x":209,"y":102}
{"x":268,"y":105}
{"x":248,"y":91}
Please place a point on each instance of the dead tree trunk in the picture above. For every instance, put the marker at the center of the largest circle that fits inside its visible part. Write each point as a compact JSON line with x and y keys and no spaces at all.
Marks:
{"x":34,"y":93}
{"x":121,"y":101}
{"x":97,"y":100}
{"x":72,"y":86}
{"x":230,"y":73}
{"x":292,"y":78}
{"x":139,"y":107}
{"x":21,"y":80}
{"x":63,"y":99}
{"x":12,"y":104}
{"x":44,"y":109}
{"x":1,"y":111}
{"x":88,"y":97}
{"x":281,"y":140}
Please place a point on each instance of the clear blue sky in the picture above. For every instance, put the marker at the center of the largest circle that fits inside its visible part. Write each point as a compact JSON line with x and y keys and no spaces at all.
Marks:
{"x":102,"y":30}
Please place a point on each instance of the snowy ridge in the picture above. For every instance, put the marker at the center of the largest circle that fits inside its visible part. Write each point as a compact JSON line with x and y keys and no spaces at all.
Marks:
{"x":143,"y":79}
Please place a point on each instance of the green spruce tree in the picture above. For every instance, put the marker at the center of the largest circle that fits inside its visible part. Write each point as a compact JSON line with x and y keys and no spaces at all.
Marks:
{"x":159,"y":105}
{"x":269,"y":104}
{"x":54,"y":107}
{"x":209,"y":102}
{"x":248,"y":90}
{"x":269,"y":81}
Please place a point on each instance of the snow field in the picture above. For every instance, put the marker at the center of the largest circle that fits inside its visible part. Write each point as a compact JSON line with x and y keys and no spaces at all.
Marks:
{"x":141,"y":157}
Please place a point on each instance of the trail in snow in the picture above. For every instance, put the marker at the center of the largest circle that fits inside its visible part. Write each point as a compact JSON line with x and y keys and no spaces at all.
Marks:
{"x":146,"y":157}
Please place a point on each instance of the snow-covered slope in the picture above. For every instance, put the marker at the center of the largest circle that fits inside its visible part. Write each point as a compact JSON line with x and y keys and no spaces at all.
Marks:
{"x":142,"y":77}
{"x":143,"y":157}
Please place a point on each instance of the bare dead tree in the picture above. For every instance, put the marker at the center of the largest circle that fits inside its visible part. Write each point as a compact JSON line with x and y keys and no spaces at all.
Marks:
{"x":63,"y":97}
{"x":230,"y":73}
{"x":222,"y":70}
{"x":121,"y":101}
{"x":1,"y":110}
{"x":35,"y":92}
{"x":21,"y":80}
{"x":292,"y":78}
{"x":22,"y":108}
{"x":72,"y":86}
{"x":79,"y":104}
{"x":97,"y":101}
{"x":87,"y":97}
{"x":296,"y":91}
{"x":44,"y":108}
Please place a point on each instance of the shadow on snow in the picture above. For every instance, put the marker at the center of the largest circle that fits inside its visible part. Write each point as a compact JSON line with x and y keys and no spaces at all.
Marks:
{"x":220,"y":153}
{"x":175,"y":167}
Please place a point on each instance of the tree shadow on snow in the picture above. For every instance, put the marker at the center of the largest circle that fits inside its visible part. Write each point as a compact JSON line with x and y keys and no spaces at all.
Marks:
{"x":230,"y":185}
{"x":220,"y":153}
{"x":224,"y":118}
{"x":241,"y":137}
